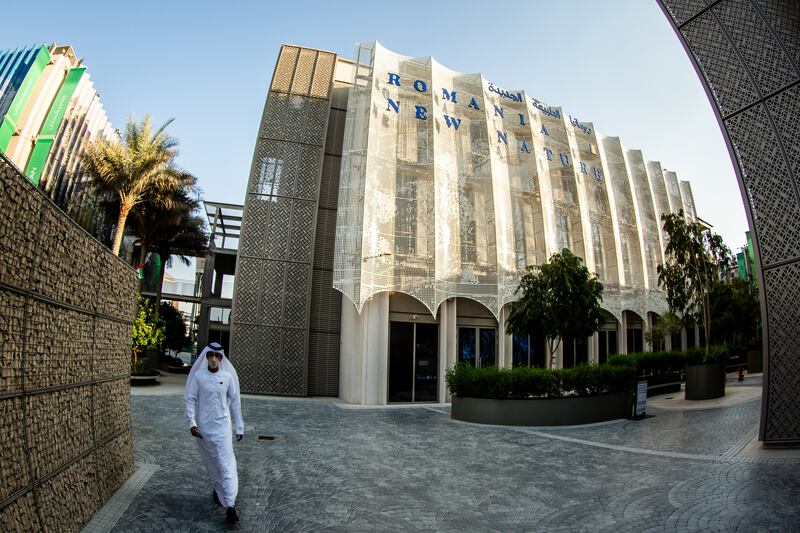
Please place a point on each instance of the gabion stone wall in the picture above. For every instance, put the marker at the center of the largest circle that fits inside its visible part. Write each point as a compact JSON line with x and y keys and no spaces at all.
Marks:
{"x":66,"y":308}
{"x":747,"y":54}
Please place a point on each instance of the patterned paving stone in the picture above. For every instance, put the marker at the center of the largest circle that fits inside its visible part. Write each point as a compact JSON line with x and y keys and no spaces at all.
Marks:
{"x":415,"y":469}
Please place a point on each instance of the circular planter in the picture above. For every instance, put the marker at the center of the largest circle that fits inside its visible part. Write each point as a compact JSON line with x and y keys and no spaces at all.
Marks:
{"x":543,"y":412}
{"x":705,"y":382}
{"x":184,"y":369}
{"x":663,"y":383}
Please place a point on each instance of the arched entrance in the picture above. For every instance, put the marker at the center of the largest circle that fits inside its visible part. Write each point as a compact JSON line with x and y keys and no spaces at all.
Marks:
{"x":413,"y":368}
{"x":607,"y":337}
{"x":657,"y":344}
{"x":478,"y":334}
{"x":634,"y":332}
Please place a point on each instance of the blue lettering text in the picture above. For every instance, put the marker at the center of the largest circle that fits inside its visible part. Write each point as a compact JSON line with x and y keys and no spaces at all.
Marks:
{"x":450,"y":96}
{"x":450,"y":121}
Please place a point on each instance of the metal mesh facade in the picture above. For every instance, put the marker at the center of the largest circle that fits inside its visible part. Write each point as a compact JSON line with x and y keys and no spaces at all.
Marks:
{"x":275,"y":266}
{"x":747,"y":54}
{"x":326,"y":302}
{"x":451,"y":186}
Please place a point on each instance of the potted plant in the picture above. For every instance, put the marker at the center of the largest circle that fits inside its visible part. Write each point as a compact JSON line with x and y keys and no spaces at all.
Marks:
{"x":755,"y":357}
{"x":148,"y":334}
{"x":705,"y":373}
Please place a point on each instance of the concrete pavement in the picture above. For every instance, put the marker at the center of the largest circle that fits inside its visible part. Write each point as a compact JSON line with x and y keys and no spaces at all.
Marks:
{"x":415,"y":469}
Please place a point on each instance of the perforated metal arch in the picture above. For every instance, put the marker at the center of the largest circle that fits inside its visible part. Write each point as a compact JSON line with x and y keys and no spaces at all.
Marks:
{"x":747,"y":55}
{"x":272,"y":297}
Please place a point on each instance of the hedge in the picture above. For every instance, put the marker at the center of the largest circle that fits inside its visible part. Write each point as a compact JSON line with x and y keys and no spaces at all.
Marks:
{"x":649,"y":363}
{"x":466,"y":381}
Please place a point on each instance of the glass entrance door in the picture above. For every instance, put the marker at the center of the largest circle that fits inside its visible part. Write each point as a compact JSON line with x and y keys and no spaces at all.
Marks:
{"x":413,"y":362}
{"x":607,"y":344}
{"x":477,"y":346}
{"x":426,"y":362}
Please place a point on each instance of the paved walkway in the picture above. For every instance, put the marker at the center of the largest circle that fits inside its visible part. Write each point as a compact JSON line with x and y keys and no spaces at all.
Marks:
{"x":332,"y":468}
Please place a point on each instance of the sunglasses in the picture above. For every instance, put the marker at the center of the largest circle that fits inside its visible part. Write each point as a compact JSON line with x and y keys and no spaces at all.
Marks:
{"x":217,"y":355}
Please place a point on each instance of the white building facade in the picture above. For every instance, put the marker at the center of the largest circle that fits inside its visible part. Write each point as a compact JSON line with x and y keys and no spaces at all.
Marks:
{"x":449,"y":185}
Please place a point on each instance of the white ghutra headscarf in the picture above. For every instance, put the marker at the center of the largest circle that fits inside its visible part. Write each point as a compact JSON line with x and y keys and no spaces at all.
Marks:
{"x":224,"y":364}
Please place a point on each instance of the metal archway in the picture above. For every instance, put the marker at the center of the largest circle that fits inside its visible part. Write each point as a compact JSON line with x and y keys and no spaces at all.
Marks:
{"x":747,"y":55}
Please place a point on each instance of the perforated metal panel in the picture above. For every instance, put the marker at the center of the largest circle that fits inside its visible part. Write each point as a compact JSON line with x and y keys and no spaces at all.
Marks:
{"x":270,"y":321}
{"x":326,"y":302}
{"x":747,"y":52}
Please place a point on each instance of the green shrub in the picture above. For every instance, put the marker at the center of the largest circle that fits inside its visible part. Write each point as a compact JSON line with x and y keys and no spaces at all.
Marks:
{"x":148,"y":328}
{"x":650,"y":363}
{"x":523,"y":382}
{"x":140,"y":368}
{"x":717,"y":354}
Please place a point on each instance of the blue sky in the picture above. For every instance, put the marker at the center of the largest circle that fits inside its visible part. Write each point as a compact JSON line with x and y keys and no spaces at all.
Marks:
{"x":616,"y":63}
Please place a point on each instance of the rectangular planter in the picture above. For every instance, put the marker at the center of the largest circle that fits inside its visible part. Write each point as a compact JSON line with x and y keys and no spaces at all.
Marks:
{"x":543,"y":412}
{"x":705,"y":382}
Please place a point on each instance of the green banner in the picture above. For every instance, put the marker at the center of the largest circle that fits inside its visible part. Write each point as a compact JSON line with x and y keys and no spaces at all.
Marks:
{"x":24,"y":92}
{"x":44,"y":142}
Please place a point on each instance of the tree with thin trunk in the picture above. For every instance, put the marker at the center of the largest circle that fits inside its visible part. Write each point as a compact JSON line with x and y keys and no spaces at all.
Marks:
{"x":695,"y":259}
{"x":667,"y":324}
{"x":141,"y":167}
{"x":560,"y":298}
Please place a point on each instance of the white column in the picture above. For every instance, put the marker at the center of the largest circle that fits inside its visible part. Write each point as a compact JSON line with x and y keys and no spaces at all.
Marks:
{"x":375,"y":350}
{"x":364,"y":356}
{"x":448,"y":343}
{"x":505,"y":341}
{"x":349,"y":352}
{"x":623,"y":334}
{"x":648,"y":325}
{"x":558,"y":356}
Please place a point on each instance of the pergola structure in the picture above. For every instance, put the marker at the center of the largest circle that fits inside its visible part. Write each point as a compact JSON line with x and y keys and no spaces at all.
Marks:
{"x":225,"y":223}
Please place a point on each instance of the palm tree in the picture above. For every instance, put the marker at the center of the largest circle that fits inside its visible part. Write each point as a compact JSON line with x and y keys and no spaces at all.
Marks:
{"x":140,"y":168}
{"x":152,"y":220}
{"x":186,"y":237}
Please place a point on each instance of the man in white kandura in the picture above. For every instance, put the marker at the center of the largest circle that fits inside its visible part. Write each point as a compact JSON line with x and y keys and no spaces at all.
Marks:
{"x":212,"y":392}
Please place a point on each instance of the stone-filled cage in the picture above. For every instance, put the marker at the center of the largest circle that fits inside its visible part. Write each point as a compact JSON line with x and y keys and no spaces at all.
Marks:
{"x":66,"y":309}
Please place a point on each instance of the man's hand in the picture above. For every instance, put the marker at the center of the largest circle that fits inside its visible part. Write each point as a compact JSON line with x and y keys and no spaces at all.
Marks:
{"x":239,"y":437}
{"x":196,"y":432}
